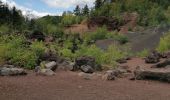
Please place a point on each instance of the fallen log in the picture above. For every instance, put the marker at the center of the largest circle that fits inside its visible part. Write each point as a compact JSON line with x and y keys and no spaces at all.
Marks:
{"x":161,"y":74}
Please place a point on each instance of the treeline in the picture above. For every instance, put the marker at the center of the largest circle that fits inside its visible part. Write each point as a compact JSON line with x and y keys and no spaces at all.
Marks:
{"x":151,"y":13}
{"x":11,"y":17}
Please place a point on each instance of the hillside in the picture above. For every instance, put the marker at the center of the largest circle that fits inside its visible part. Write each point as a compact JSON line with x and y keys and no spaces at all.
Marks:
{"x":101,"y":50}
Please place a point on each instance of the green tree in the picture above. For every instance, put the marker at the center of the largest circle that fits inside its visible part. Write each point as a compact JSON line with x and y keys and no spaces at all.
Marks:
{"x":98,"y":4}
{"x":17,"y":19}
{"x":86,"y":10}
{"x":77,"y":10}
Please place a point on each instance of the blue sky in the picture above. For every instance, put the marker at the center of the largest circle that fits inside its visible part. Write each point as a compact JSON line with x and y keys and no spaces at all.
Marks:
{"x":47,"y":7}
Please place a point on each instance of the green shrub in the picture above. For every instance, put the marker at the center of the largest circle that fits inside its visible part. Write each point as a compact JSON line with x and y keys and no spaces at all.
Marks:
{"x":143,"y":53}
{"x":92,"y":51}
{"x":4,"y":29}
{"x":112,"y":54}
{"x":67,"y":54}
{"x":164,"y":44}
{"x":24,"y":58}
{"x":38,"y":48}
{"x":14,"y":49}
{"x":120,"y":37}
{"x":103,"y":33}
{"x":167,"y":14}
{"x":98,"y":35}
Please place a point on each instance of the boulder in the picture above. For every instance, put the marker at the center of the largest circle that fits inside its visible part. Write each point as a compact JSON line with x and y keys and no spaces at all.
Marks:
{"x":85,"y":60}
{"x":51,"y":65}
{"x":161,"y":74}
{"x":162,"y":64}
{"x":8,"y":66}
{"x":38,"y":36}
{"x":113,"y":74}
{"x":49,"y":56}
{"x":12,"y":71}
{"x":154,"y":57}
{"x":45,"y":72}
{"x":86,"y":75}
{"x":67,"y":65}
{"x":166,"y":55}
{"x":109,"y":75}
{"x":86,"y":69}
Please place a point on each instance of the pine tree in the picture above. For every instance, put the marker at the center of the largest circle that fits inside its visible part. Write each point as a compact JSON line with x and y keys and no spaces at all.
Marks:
{"x":98,"y":4}
{"x":86,"y":10}
{"x":77,"y":11}
{"x":17,"y":18}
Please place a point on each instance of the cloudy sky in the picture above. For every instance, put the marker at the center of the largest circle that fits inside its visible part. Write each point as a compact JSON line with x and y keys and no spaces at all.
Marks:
{"x":47,"y":7}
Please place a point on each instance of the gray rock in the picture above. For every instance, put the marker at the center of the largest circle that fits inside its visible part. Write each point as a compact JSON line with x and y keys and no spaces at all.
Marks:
{"x":71,"y":66}
{"x":85,"y":60}
{"x":46,"y":72}
{"x":37,"y":69}
{"x":154,"y":57}
{"x":109,"y":75}
{"x":166,"y":55}
{"x":5,"y":71}
{"x":87,"y":69}
{"x":67,"y":65}
{"x":86,"y":75}
{"x":51,"y":65}
{"x":112,"y":74}
{"x":8,"y":66}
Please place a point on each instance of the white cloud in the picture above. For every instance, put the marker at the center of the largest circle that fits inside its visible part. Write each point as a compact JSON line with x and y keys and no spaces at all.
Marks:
{"x":58,"y":4}
{"x":64,"y":4}
{"x":27,"y":11}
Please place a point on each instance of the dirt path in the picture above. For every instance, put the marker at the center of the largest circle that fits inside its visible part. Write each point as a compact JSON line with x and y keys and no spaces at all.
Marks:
{"x":66,"y":85}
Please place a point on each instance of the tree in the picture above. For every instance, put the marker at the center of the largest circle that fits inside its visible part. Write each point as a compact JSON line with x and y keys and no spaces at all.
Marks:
{"x":98,"y":4}
{"x":86,"y":10}
{"x":77,"y":10}
{"x":17,"y":19}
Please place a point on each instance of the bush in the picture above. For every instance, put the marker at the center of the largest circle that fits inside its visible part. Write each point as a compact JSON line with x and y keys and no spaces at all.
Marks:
{"x":70,"y":19}
{"x":107,"y":57}
{"x":14,"y":50}
{"x":143,"y":53}
{"x":92,"y":51}
{"x":38,"y":48}
{"x":164,"y":44}
{"x":167,"y":14}
{"x":102,"y":33}
{"x":4,"y":29}
{"x":120,"y":37}
{"x":67,"y":54}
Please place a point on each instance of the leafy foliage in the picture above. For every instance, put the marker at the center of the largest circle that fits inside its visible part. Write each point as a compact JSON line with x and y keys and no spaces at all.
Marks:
{"x":143,"y":53}
{"x":14,"y":50}
{"x":164,"y":44}
{"x":103,"y":33}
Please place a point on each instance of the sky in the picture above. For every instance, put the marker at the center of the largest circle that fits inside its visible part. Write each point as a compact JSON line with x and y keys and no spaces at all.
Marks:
{"x":46,"y":7}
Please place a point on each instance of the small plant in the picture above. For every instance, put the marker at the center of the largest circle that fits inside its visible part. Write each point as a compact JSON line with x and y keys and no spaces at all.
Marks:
{"x":14,"y":49}
{"x":38,"y":48}
{"x":164,"y":44}
{"x":4,"y":29}
{"x":143,"y":53}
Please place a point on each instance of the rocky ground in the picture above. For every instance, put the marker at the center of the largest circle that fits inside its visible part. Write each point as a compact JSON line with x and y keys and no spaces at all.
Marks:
{"x":67,"y":85}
